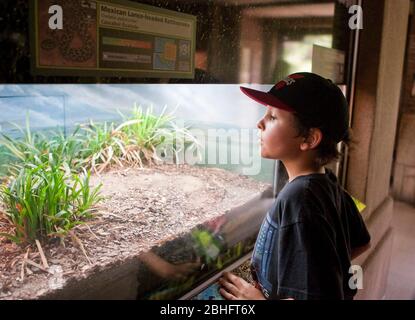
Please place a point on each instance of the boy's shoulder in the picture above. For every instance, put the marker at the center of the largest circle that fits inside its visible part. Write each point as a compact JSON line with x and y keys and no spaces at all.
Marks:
{"x":308,"y":187}
{"x":303,"y":197}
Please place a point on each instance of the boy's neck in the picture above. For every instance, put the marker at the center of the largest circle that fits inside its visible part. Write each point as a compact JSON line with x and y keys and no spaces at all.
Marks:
{"x":299,"y":168}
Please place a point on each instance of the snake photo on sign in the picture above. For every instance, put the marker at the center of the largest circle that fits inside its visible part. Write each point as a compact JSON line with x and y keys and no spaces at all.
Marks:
{"x":76,"y":43}
{"x":77,"y":22}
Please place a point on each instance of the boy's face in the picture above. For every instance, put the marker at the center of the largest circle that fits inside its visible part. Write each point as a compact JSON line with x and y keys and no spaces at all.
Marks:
{"x":279,"y":136}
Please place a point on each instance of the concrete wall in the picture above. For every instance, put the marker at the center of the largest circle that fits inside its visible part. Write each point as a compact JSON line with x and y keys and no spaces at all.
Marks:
{"x":378,"y":89}
{"x":404,"y":166}
{"x":408,"y":100}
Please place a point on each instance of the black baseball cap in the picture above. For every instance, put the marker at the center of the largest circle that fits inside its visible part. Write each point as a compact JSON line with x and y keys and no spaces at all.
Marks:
{"x":310,"y":95}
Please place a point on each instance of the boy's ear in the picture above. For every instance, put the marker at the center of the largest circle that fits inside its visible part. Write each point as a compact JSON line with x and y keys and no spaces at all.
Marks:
{"x":313,"y":139}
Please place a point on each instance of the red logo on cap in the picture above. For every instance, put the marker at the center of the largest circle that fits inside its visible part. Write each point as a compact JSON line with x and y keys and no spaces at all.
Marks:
{"x":288,"y":81}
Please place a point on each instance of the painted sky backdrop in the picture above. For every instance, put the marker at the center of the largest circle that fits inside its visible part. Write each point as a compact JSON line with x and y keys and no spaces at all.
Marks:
{"x":48,"y":105}
{"x":221,"y":106}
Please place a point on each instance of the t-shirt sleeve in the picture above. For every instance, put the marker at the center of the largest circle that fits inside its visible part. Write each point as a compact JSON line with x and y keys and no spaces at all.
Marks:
{"x":308,"y":263}
{"x":359,"y":235}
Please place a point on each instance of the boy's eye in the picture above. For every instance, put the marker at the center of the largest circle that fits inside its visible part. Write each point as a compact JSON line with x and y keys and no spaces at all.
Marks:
{"x":272,"y":117}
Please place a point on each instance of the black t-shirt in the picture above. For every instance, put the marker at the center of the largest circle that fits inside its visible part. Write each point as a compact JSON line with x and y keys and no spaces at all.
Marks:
{"x":304,"y":244}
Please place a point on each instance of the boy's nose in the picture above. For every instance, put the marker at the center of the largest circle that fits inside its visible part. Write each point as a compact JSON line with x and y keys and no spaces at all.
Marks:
{"x":260,"y":124}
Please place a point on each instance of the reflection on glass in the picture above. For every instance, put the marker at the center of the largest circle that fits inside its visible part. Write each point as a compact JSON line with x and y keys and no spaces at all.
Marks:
{"x":297,"y":54}
{"x":174,"y":268}
{"x":236,"y":40}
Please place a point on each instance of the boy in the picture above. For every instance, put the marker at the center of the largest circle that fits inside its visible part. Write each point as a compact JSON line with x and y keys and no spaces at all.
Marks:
{"x":313,"y":230}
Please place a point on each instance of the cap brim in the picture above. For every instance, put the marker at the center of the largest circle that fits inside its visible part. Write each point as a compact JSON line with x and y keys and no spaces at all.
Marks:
{"x":266,"y":99}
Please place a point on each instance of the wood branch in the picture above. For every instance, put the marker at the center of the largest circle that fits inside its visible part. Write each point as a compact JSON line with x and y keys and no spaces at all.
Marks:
{"x":42,"y":255}
{"x":34,"y":264}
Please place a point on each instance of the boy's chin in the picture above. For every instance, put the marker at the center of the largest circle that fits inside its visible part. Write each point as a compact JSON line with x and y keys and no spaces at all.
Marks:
{"x":266,"y":155}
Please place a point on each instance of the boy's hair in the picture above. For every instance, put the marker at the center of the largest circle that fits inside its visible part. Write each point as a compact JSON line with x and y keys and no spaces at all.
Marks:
{"x":327,"y":150}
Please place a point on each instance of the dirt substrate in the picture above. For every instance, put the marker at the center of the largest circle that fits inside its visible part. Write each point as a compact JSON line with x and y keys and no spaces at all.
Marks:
{"x":142,"y":208}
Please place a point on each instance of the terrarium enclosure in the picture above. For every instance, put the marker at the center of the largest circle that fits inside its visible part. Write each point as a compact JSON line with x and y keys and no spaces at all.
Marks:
{"x":165,"y":209}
